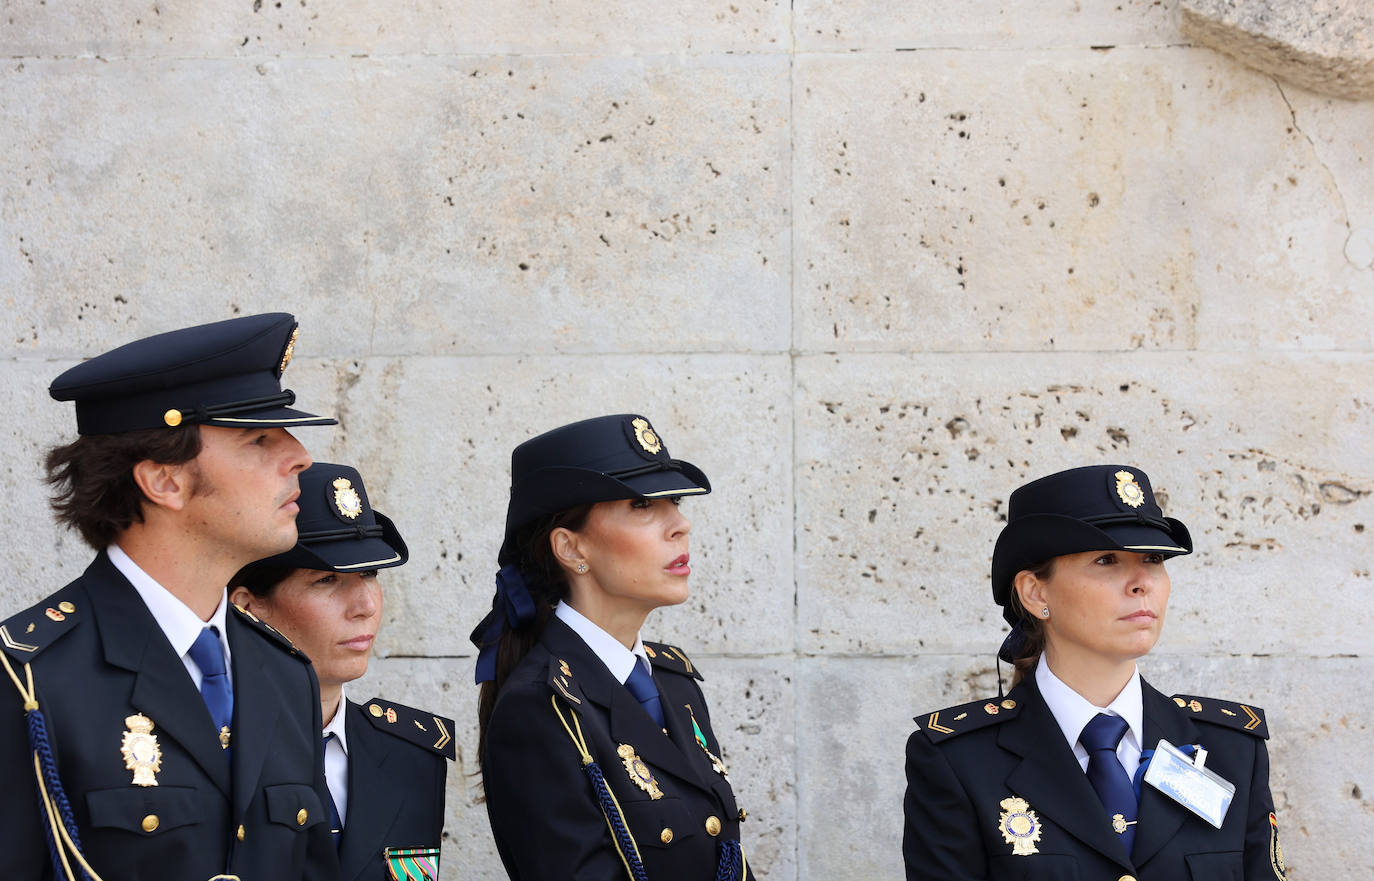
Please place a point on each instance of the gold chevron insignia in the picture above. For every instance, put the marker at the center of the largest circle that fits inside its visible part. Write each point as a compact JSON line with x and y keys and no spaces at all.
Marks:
{"x":933,"y":723}
{"x":444,"y":736}
{"x":12,"y":643}
{"x":1254,"y":720}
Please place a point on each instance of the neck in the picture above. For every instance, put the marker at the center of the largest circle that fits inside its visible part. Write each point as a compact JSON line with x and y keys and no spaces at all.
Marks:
{"x":331,"y":698}
{"x":620,"y":620}
{"x":197,"y":579}
{"x":1098,"y":681}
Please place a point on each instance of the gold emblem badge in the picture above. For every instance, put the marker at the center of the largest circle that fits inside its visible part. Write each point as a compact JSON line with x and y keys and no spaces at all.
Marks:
{"x":1276,"y":849}
{"x":346,"y":499}
{"x":1119,"y":823}
{"x":991,"y":709}
{"x":391,"y":715}
{"x":645,"y":435}
{"x":1019,"y":826}
{"x":141,"y":753}
{"x":1129,"y":491}
{"x":54,"y":614}
{"x":564,"y":668}
{"x":224,"y":737}
{"x":1195,"y":706}
{"x":638,"y":771}
{"x":650,"y":652}
{"x":288,"y":351}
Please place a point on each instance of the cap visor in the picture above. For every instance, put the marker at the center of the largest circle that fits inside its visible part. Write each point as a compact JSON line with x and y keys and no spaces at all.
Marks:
{"x":657,"y":484}
{"x":277,"y":417}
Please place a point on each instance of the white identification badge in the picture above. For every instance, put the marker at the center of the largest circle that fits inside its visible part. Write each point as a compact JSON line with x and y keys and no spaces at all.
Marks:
{"x":1199,"y":790}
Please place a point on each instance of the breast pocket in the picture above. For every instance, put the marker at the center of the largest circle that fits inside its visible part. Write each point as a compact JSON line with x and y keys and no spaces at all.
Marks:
{"x":145,"y":810}
{"x":661,"y":824}
{"x":293,"y":805}
{"x":1227,"y":866}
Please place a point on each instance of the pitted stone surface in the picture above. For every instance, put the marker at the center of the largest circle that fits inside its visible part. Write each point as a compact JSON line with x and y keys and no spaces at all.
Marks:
{"x":1326,"y":46}
{"x":905,"y":464}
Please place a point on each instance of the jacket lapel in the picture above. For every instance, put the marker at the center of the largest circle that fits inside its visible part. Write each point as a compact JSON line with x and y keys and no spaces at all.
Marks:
{"x":627,"y":720}
{"x":258,"y":701}
{"x":373,"y":800}
{"x":162,"y":690}
{"x":1049,"y":777}
{"x":1160,"y":816}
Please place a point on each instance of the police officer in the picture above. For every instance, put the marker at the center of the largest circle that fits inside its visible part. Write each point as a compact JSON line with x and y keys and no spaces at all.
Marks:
{"x":598,"y":757}
{"x":174,"y":736}
{"x":1084,"y":770}
{"x":385,"y":762}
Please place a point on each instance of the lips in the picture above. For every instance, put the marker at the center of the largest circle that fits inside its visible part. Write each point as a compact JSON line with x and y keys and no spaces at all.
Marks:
{"x":679,"y":566}
{"x":359,"y":643}
{"x":291,"y":501}
{"x":1141,"y":616}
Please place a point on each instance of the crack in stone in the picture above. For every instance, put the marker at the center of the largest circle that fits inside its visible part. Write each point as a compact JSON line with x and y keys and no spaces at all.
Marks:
{"x":1335,"y":185}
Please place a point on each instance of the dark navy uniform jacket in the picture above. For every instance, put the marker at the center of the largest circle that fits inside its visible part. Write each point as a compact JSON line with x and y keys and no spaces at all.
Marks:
{"x":966,"y":760}
{"x":98,"y":657}
{"x":395,"y":792}
{"x":544,"y":815}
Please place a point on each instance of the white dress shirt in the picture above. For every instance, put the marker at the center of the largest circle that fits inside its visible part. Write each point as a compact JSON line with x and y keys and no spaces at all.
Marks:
{"x":178,"y":622}
{"x":336,"y":757}
{"x":612,"y":652}
{"x":1073,"y":712}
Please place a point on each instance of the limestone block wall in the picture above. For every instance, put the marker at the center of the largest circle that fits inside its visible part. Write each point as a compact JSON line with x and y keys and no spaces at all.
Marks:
{"x":871,"y":264}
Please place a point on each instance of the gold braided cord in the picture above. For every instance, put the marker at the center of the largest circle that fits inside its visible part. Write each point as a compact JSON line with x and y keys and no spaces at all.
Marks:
{"x":580,"y":741}
{"x":28,"y":694}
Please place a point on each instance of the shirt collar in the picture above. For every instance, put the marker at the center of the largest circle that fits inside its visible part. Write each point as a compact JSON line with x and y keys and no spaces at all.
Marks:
{"x":176,"y":619}
{"x":336,"y":725}
{"x":618,"y":659}
{"x":1073,"y":711}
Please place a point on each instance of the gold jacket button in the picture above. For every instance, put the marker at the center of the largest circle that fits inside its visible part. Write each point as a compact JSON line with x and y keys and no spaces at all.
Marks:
{"x":301,"y":816}
{"x":239,"y":834}
{"x":666,"y":836}
{"x":1126,"y":878}
{"x":713,"y":825}
{"x":1008,"y":704}
{"x":375,"y":710}
{"x":150,"y":823}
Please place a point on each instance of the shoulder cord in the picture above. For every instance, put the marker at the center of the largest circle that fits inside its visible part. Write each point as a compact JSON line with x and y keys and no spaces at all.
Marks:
{"x":62,"y":836}
{"x":731,"y":853}
{"x":610,"y":807}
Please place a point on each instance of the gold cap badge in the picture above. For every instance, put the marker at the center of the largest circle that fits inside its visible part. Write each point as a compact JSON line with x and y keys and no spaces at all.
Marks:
{"x":288,"y":351}
{"x":1019,"y":826}
{"x":1129,"y":490}
{"x":346,"y":499}
{"x":645,"y":435}
{"x":141,"y":753}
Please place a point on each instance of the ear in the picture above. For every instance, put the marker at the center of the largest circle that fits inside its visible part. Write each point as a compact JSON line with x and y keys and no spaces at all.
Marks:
{"x":163,"y":485}
{"x":566,"y":548}
{"x":1031,"y":591}
{"x":242,"y":597}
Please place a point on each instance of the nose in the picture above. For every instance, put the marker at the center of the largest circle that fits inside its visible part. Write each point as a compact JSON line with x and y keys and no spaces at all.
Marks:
{"x":296,"y":458}
{"x":1144,"y":576}
{"x":365,"y":599}
{"x":679,"y":525}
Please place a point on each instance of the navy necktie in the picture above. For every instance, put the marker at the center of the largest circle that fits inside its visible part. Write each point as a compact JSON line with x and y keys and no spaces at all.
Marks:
{"x":1100,"y":737}
{"x":335,"y":821}
{"x":214,"y":682}
{"x":641,"y":685}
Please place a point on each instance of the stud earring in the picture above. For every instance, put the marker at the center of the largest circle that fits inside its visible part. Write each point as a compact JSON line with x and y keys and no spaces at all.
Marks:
{"x":581,"y":568}
{"x":1045,"y":612}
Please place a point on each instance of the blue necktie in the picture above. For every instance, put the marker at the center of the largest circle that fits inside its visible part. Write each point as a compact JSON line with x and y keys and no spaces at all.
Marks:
{"x":641,"y":685}
{"x":214,"y":682}
{"x":1100,"y":737}
{"x":335,"y":821}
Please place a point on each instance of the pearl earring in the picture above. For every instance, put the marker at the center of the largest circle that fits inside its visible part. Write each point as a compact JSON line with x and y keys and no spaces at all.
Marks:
{"x":1045,"y":612}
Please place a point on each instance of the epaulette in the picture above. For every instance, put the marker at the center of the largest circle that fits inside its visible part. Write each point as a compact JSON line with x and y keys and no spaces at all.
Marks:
{"x":670,"y":657}
{"x":961,"y":719}
{"x":564,"y":682}
{"x":26,"y":634}
{"x":269,"y":631}
{"x":1239,"y":716}
{"x":426,"y":730}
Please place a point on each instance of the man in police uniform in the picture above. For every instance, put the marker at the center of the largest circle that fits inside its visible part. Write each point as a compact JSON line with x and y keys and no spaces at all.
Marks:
{"x":157,"y":731}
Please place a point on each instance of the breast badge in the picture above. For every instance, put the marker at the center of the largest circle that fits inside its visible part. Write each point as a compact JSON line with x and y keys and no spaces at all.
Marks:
{"x":1019,"y":826}
{"x":638,"y":771}
{"x":141,"y":753}
{"x":716,"y":764}
{"x":1275,"y":849}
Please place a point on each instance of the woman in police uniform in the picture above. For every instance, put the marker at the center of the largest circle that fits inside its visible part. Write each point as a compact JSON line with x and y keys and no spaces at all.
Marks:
{"x":1057,"y":779}
{"x":384,"y":762}
{"x":598,"y":756}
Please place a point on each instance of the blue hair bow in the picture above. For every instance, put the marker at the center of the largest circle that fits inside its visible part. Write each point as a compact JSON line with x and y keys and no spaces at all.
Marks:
{"x":512,"y":607}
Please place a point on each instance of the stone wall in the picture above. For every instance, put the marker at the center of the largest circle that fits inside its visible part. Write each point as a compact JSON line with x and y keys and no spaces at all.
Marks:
{"x":871,"y":264}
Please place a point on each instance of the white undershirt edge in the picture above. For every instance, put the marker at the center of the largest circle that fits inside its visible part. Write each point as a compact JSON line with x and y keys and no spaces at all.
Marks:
{"x":336,"y":756}
{"x":619,"y":660}
{"x":1073,"y":711}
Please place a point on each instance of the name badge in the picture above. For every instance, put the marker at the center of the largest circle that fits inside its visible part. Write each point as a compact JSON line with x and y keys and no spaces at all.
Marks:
{"x":1199,"y":790}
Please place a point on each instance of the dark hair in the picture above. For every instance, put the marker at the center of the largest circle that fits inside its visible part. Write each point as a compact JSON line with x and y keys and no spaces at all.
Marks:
{"x":260,"y":578}
{"x":1032,"y":628}
{"x":93,"y":477}
{"x":547,"y":584}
